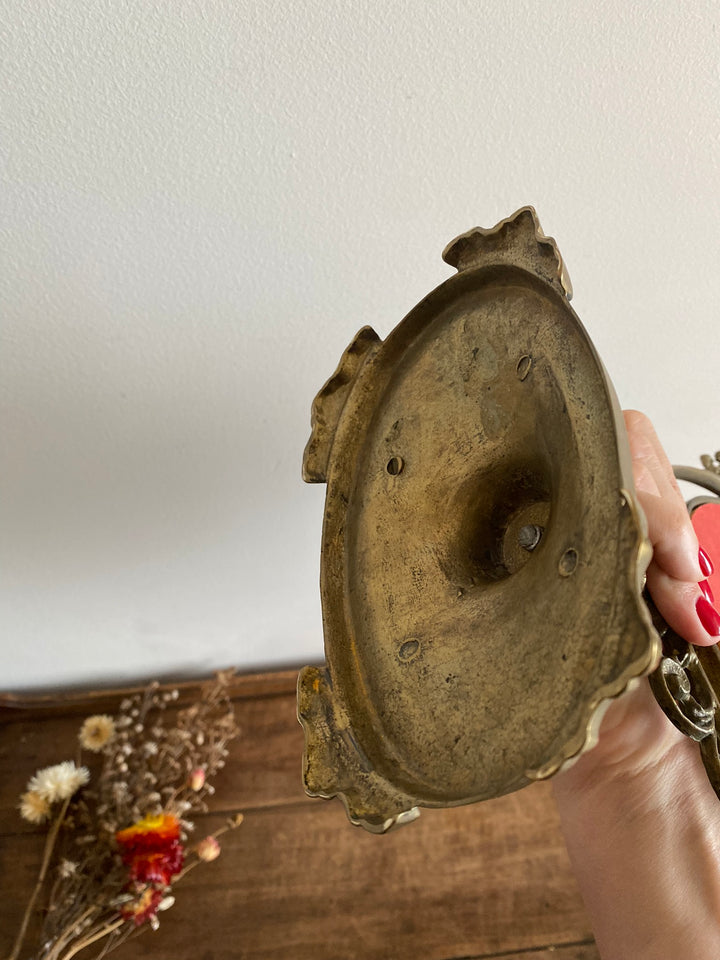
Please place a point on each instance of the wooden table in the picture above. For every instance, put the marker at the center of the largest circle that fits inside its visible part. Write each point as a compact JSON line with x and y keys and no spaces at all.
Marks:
{"x":296,"y":881}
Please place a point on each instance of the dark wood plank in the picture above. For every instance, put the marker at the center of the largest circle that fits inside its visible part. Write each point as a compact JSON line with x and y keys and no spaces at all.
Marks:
{"x":264,"y":767}
{"x":19,"y":706}
{"x":575,"y":951}
{"x":299,"y":881}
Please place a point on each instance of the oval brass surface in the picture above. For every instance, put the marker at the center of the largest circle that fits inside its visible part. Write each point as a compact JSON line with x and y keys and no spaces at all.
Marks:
{"x":483,"y":551}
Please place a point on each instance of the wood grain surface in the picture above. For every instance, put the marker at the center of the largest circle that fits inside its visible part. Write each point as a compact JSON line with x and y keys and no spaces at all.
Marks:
{"x":296,"y":880}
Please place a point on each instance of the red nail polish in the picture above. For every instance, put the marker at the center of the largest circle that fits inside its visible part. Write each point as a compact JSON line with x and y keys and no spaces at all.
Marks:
{"x":706,"y":591}
{"x":705,"y":563}
{"x":709,"y":617}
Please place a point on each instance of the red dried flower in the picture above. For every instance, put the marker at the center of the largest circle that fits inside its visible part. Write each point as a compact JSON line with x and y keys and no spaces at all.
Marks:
{"x":152,"y":850}
{"x":145,"y":907}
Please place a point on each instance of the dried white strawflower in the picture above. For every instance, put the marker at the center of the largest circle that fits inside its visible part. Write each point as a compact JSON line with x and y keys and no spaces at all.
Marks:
{"x":33,"y":807}
{"x":96,"y":732}
{"x":59,"y":781}
{"x":152,"y":774}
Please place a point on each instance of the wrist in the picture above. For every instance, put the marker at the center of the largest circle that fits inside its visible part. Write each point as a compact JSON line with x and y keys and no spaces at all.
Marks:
{"x":637,"y":748}
{"x":645,"y":847}
{"x":598,"y":782}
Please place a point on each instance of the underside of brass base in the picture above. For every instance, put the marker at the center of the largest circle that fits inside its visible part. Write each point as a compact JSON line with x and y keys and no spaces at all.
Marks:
{"x":483,"y":550}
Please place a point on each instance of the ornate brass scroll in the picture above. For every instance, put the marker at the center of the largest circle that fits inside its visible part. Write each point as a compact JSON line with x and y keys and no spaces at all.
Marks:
{"x":483,"y":551}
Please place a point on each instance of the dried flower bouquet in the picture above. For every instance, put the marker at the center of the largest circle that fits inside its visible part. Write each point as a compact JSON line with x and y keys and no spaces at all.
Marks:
{"x":118,"y":839}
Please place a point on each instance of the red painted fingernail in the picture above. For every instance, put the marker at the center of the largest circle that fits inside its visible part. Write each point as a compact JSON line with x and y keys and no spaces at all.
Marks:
{"x":706,"y":591}
{"x":709,"y":617}
{"x":705,"y":563}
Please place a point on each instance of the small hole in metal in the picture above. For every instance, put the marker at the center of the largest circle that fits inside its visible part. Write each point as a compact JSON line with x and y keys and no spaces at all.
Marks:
{"x":568,"y":563}
{"x":409,"y":650}
{"x":394,"y":466}
{"x":523,"y":366}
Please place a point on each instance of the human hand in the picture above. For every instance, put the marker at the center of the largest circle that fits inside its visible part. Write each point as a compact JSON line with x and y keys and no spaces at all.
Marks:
{"x":635,"y":734}
{"x":639,"y":816}
{"x":679,"y":566}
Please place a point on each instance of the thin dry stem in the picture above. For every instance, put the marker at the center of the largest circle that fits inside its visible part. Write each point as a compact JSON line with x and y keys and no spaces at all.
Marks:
{"x":144,"y":770}
{"x":68,"y":933}
{"x":49,"y":847}
{"x":105,"y":932}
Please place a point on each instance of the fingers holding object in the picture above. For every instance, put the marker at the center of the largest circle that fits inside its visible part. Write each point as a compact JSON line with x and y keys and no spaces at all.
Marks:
{"x":675,"y":546}
{"x":684,"y":606}
{"x":676,"y":575}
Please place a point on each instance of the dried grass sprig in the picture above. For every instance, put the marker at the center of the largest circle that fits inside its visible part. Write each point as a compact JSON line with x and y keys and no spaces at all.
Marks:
{"x":117,"y":846}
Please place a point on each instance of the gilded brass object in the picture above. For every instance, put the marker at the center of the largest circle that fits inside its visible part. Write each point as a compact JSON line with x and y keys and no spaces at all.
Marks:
{"x":483,"y":550}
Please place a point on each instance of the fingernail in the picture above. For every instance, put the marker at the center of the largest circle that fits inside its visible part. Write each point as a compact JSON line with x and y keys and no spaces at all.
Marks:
{"x":705,"y":563}
{"x":709,"y":617}
{"x":706,"y":591}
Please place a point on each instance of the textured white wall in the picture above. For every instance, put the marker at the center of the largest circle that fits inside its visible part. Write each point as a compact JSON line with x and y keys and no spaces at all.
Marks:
{"x":202,"y":202}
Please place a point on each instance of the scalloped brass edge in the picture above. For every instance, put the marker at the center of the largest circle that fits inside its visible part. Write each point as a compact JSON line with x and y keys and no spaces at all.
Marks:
{"x":586,"y":735}
{"x":329,"y":402}
{"x":518,"y":239}
{"x":334,"y":764}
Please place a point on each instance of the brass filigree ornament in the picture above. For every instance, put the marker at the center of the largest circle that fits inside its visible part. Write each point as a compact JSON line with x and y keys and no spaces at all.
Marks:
{"x":483,"y":550}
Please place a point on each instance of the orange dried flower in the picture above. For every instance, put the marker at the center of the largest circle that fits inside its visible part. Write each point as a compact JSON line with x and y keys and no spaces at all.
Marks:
{"x":152,"y":850}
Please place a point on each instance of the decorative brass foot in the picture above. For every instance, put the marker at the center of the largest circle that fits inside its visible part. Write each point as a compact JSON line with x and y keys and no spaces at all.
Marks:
{"x":334,"y":763}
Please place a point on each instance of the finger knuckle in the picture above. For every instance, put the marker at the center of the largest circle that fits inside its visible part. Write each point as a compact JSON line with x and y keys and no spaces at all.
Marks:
{"x":677,"y":524}
{"x":636,"y":421}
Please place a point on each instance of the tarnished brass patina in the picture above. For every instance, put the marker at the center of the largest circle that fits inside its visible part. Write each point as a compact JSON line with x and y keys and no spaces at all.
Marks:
{"x":483,"y":550}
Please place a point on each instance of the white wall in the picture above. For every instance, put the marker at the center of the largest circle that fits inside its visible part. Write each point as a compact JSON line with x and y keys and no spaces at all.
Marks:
{"x":202,"y":202}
